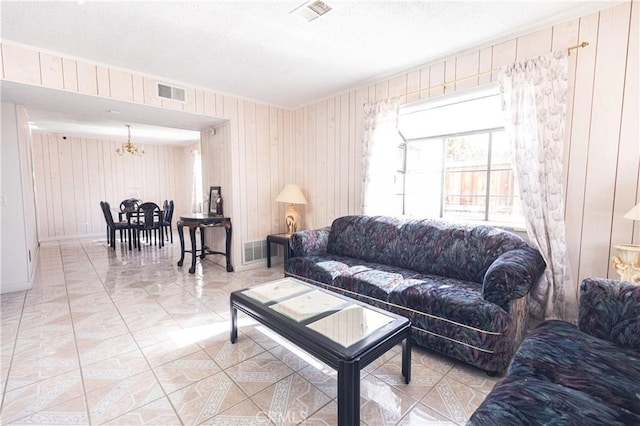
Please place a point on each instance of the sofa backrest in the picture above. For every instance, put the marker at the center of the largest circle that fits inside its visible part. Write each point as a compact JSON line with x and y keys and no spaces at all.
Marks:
{"x":427,"y":246}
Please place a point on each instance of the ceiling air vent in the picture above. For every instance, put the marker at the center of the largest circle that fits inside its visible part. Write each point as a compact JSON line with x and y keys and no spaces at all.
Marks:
{"x":170,"y":92}
{"x":312,"y":9}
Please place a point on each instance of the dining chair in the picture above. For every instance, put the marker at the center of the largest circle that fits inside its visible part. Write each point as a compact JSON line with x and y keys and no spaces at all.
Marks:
{"x":168,"y":217}
{"x":112,"y":226}
{"x":130,"y":205}
{"x":149,"y":221}
{"x":127,"y":207}
{"x":106,"y":222}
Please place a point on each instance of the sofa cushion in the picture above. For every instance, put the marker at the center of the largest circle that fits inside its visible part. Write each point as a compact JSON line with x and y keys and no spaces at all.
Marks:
{"x":452,"y":250}
{"x":369,"y":238}
{"x":322,"y":268}
{"x":558,"y":352}
{"x":529,"y":401}
{"x":372,"y":279}
{"x":452,"y":303}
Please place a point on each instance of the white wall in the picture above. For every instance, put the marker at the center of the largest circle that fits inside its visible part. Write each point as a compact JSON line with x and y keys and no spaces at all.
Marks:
{"x":18,"y":240}
{"x":28,"y":189}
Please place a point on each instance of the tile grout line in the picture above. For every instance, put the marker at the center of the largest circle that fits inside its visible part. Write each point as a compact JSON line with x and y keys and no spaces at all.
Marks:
{"x":75,"y":339}
{"x":13,"y":351}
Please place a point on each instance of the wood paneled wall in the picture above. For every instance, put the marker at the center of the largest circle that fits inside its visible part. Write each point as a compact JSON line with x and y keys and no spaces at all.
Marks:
{"x":602,"y":152}
{"x":247,"y":157}
{"x":73,"y":175}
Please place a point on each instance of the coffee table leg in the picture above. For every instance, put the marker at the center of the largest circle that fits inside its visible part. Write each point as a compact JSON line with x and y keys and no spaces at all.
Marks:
{"x":348,"y":393}
{"x":268,"y":253}
{"x":234,"y":323}
{"x":406,"y":358}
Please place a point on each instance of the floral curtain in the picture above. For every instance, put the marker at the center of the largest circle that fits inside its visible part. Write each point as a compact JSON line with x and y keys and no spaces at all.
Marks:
{"x":534,"y":97}
{"x":379,"y":154}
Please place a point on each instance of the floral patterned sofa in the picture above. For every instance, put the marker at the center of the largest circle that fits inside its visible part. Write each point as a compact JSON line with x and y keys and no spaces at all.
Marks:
{"x":462,"y":287}
{"x":568,"y":375}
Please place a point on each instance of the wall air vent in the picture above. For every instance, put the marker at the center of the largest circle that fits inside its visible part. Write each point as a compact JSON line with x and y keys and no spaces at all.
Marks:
{"x":169,"y":92}
{"x":311,"y":10}
{"x":256,"y":250}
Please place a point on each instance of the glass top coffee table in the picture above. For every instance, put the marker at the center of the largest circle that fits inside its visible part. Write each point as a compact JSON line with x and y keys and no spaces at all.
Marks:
{"x":341,"y":332}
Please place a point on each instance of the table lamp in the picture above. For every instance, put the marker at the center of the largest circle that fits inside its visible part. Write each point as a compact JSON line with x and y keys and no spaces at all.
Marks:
{"x":628,"y":263}
{"x":292,"y":195}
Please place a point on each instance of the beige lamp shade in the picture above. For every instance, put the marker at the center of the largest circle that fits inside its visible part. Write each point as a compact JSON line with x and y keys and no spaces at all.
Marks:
{"x":633,"y":214}
{"x":292,"y":195}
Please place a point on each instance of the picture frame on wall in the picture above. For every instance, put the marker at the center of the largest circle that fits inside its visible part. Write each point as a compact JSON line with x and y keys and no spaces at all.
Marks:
{"x":215,"y":201}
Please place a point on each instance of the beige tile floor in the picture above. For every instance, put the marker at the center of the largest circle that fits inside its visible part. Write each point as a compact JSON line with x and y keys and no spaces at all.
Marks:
{"x":127,"y":338}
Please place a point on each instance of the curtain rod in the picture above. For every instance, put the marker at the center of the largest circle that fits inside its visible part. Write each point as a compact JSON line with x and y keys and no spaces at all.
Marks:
{"x":444,"y":85}
{"x":577,"y":46}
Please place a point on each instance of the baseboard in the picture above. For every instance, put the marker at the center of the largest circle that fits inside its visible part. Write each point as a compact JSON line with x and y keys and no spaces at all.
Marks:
{"x":73,"y":237}
{"x":11,"y":288}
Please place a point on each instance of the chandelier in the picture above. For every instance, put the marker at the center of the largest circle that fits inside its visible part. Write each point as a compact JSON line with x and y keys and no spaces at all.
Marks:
{"x":129,"y":146}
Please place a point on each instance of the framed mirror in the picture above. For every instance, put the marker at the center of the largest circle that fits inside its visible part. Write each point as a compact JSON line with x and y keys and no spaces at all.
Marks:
{"x":215,"y":201}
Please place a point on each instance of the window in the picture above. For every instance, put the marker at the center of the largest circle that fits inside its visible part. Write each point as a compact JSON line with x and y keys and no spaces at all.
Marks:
{"x":457,"y":161}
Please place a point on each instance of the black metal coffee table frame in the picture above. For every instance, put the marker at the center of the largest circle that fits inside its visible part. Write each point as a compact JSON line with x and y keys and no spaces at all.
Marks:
{"x":346,"y":361}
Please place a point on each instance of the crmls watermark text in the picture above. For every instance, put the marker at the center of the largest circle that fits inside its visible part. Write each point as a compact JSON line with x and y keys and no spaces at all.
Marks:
{"x":289,"y":417}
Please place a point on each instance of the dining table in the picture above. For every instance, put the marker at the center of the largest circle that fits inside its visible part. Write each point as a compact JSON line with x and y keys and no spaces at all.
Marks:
{"x":130,"y":213}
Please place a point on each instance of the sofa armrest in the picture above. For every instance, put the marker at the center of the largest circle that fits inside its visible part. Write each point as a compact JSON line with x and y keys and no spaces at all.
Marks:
{"x":311,"y":242}
{"x":511,"y":275}
{"x":610,"y":309}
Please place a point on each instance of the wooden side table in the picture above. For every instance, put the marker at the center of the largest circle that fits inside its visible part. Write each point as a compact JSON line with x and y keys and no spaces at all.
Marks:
{"x":283,"y":240}
{"x":199,"y":221}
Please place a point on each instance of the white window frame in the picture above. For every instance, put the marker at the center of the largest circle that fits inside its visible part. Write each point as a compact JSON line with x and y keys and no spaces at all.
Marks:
{"x":495,"y":126}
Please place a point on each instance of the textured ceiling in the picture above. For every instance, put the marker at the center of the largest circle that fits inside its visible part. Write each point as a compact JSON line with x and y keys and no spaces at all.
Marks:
{"x":259,"y":50}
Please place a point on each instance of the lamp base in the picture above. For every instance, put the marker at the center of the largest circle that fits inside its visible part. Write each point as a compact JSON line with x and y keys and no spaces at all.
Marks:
{"x":291,"y":219}
{"x":628,"y":263}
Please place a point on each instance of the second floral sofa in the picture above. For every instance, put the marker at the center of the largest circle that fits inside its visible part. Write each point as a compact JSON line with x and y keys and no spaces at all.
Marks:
{"x":463,"y":287}
{"x":564,"y":374}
